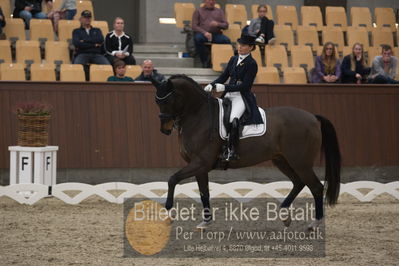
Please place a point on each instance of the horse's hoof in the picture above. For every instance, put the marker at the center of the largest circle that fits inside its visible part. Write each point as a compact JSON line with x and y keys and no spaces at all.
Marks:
{"x":203,"y":225}
{"x":287,"y":222}
{"x":313,"y":225}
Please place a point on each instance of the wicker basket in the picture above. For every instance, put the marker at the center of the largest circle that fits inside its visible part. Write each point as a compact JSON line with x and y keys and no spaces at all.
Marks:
{"x":33,"y":130}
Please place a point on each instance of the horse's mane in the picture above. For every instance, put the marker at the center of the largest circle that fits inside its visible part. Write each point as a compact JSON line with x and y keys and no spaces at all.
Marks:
{"x":190,"y":80}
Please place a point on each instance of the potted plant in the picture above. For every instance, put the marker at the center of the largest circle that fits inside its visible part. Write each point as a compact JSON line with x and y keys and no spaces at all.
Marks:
{"x":33,"y":123}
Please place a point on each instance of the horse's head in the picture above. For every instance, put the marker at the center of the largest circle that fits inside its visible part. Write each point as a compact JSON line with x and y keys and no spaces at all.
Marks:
{"x":169,"y":103}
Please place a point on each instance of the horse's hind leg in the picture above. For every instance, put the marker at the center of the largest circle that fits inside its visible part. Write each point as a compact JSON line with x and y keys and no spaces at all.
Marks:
{"x":309,"y":178}
{"x":282,"y":164}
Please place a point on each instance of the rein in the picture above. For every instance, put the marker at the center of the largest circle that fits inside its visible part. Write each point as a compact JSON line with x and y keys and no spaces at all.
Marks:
{"x":211,"y":116}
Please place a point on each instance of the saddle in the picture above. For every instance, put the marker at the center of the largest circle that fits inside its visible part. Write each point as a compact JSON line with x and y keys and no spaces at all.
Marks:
{"x":245,"y":131}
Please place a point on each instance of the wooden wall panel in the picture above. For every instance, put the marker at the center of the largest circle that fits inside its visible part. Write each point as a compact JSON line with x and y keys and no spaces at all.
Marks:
{"x":116,"y":125}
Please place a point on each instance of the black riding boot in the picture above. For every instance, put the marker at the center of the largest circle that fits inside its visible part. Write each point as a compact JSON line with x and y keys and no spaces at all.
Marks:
{"x":233,"y":141}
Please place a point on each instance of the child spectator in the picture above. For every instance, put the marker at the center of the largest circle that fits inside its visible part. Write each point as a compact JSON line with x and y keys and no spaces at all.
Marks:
{"x":119,"y":72}
{"x":262,"y":27}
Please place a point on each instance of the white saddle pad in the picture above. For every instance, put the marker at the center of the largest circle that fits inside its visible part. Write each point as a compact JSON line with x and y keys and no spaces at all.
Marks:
{"x":248,"y":131}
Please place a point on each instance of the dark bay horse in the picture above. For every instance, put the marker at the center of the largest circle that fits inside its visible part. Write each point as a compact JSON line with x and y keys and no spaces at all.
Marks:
{"x":292,"y":141}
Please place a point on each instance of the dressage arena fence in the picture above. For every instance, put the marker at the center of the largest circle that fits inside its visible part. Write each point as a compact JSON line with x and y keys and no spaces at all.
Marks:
{"x":32,"y":193}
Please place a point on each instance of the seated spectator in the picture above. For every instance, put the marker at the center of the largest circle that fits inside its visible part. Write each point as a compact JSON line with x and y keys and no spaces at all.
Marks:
{"x":68,"y":9}
{"x":383,"y":70}
{"x":28,"y":9}
{"x":118,"y":44}
{"x":88,"y":42}
{"x":353,"y":67}
{"x":208,"y":23}
{"x":2,"y":24}
{"x":327,"y":66}
{"x":262,"y":27}
{"x":149,"y":71}
{"x":119,"y":72}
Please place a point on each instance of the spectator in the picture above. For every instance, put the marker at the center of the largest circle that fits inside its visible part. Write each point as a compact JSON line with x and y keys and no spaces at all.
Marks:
{"x":2,"y":25}
{"x":119,"y":45}
{"x":28,"y":9}
{"x":327,"y":66}
{"x":353,"y":67}
{"x":262,"y":27}
{"x":68,"y":9}
{"x":119,"y":72}
{"x":88,"y":42}
{"x":208,"y":22}
{"x":149,"y":71}
{"x":383,"y":70}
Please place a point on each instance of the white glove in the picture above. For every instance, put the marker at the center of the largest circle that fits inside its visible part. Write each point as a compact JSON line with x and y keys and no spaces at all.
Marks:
{"x":208,"y":88}
{"x":219,"y":87}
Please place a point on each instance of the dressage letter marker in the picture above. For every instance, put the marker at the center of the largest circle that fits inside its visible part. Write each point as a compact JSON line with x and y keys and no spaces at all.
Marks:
{"x":37,"y":165}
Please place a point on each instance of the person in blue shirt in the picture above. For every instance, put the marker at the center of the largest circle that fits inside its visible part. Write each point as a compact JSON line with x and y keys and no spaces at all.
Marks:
{"x":88,"y":42}
{"x":120,"y":72}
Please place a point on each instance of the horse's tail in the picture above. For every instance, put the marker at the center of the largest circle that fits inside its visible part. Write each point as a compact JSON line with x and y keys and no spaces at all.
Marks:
{"x":332,"y":158}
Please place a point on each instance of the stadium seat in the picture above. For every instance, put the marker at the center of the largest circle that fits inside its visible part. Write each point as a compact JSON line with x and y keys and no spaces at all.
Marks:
{"x":254,"y":10}
{"x":294,"y":75}
{"x":12,"y":72}
{"x":334,"y":35}
{"x":267,"y":75}
{"x":372,"y":53}
{"x":84,"y":5}
{"x":381,"y":36}
{"x":41,"y":30}
{"x":236,"y":14}
{"x":100,"y":73}
{"x":28,"y":52}
{"x":360,"y":35}
{"x":385,"y":18}
{"x":103,"y":25}
{"x":307,"y":35}
{"x":57,"y":52}
{"x":395,"y":51}
{"x":233,"y":32}
{"x":284,"y":36}
{"x":347,"y":50}
{"x":302,"y":56}
{"x":221,"y":54}
{"x":15,"y":29}
{"x":133,"y":71}
{"x":5,"y":52}
{"x":361,"y":17}
{"x":216,"y":5}
{"x":287,"y":15}
{"x":336,"y":17}
{"x":6,"y":7}
{"x":42,"y":72}
{"x":183,"y":13}
{"x":65,"y":29}
{"x":276,"y":56}
{"x":70,"y":72}
{"x":311,"y":16}
{"x":258,"y":57}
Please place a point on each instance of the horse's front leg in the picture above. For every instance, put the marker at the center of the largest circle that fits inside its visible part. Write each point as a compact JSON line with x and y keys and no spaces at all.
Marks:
{"x":194,"y":168}
{"x":203,"y":185}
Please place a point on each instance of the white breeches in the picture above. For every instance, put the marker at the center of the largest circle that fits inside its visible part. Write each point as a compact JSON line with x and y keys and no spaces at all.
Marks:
{"x":238,"y":105}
